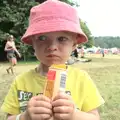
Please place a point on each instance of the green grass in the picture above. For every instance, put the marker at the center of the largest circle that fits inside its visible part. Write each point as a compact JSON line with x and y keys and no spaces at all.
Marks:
{"x":108,"y":82}
{"x":106,"y":74}
{"x":28,"y":62}
{"x":104,"y":71}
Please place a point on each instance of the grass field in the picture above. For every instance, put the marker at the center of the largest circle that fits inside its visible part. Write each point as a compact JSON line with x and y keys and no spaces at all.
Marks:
{"x":104,"y":71}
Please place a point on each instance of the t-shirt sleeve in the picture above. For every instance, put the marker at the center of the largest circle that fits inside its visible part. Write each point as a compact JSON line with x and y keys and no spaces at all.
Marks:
{"x":10,"y":104}
{"x":92,"y":98}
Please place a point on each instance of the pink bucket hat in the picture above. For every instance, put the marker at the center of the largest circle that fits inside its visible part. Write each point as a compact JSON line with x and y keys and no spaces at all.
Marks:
{"x":51,"y":16}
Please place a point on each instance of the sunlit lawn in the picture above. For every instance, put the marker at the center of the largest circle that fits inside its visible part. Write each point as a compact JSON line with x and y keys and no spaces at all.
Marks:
{"x":104,"y":71}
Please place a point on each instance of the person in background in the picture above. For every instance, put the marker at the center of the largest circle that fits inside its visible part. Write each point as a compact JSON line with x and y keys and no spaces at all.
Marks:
{"x":102,"y":52}
{"x":10,"y":48}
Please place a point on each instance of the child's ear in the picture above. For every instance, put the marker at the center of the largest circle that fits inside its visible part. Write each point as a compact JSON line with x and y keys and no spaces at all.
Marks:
{"x":32,"y":42}
{"x":74,"y":46}
{"x":75,"y":37}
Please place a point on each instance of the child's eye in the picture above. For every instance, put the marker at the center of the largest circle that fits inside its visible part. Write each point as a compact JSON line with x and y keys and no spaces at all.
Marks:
{"x":61,"y":39}
{"x":42,"y":38}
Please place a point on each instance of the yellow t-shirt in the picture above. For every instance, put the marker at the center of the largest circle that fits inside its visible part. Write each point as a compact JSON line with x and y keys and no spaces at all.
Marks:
{"x":78,"y":84}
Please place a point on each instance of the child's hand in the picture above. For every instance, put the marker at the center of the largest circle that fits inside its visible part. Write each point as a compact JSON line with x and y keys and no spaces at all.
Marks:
{"x":63,"y":107}
{"x":39,"y":108}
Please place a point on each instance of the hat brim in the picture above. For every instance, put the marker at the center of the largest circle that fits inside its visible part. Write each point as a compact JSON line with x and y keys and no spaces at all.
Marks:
{"x":43,"y":26}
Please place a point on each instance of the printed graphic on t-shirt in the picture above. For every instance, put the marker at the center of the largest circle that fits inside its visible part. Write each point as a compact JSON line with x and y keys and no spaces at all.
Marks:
{"x":68,"y":92}
{"x":24,"y":97}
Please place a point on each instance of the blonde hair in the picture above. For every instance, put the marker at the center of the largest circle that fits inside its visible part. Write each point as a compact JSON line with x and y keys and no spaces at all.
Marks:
{"x":9,"y":37}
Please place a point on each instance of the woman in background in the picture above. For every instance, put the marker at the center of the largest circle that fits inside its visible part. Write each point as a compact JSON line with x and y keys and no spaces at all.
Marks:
{"x":10,"y":48}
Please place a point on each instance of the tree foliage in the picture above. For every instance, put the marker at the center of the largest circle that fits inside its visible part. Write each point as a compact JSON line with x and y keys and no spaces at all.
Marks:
{"x":14,"y":15}
{"x":86,"y":30}
{"x":71,"y":2}
{"x":107,"y":42}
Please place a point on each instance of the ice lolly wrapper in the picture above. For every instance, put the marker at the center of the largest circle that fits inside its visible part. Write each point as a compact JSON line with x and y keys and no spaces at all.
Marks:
{"x":56,"y":79}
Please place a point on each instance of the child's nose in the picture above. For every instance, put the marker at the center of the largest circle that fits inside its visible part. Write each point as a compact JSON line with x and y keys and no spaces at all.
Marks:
{"x":52,"y":46}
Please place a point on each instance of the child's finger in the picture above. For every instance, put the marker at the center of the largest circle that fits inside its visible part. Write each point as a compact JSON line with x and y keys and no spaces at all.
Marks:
{"x":42,"y":110}
{"x":63,"y":109}
{"x":43,"y":104}
{"x":62,"y":116}
{"x":42,"y":98}
{"x":61,"y":95}
{"x":62,"y":102}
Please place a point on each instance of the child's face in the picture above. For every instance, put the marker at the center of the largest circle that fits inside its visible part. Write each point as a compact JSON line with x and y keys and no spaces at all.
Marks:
{"x":54,"y":48}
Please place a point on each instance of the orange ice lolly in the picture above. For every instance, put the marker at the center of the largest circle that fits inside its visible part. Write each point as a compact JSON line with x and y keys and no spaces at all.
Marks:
{"x":56,"y":79}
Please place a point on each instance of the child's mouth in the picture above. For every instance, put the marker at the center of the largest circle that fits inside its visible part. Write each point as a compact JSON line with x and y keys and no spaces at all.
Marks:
{"x":51,"y":56}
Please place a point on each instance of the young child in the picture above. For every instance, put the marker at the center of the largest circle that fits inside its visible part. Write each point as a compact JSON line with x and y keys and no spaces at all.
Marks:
{"x":53,"y":32}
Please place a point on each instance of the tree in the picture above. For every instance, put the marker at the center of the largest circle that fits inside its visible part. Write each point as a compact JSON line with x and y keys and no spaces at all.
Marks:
{"x":107,"y":42}
{"x":86,"y":30}
{"x":14,"y":16}
{"x":71,"y":2}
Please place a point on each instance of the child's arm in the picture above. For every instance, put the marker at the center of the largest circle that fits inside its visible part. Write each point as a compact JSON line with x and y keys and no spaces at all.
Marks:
{"x":13,"y":117}
{"x":91,"y":115}
{"x":38,"y":108}
{"x":78,"y":115}
{"x":64,"y":108}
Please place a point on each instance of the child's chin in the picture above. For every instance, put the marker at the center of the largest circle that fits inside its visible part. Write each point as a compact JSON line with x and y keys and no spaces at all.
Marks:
{"x":55,"y":62}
